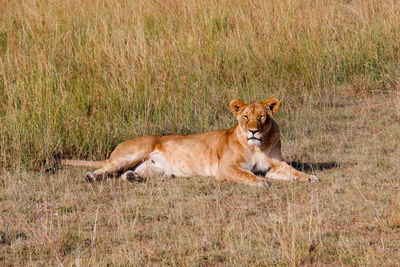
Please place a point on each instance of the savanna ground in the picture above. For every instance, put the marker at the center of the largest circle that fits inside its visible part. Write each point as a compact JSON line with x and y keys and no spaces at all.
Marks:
{"x":77,"y":78}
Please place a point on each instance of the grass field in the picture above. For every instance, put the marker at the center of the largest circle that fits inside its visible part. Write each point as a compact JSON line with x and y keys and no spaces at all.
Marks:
{"x":78,"y":77}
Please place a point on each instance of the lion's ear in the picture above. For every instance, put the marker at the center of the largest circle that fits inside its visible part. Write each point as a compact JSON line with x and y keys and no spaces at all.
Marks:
{"x":236,"y":105}
{"x":272,"y":104}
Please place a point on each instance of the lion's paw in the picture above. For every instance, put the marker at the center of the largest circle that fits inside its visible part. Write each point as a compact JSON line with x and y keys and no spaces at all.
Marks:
{"x":91,"y":177}
{"x":131,"y":176}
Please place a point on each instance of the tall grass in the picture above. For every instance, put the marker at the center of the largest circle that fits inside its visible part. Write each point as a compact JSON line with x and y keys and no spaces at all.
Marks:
{"x":78,"y":77}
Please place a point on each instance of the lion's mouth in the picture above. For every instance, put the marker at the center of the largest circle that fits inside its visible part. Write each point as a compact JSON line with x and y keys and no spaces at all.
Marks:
{"x":254,"y":138}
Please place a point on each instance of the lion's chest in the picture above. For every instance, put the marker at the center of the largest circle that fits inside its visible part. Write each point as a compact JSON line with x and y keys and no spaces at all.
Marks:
{"x":256,"y":162}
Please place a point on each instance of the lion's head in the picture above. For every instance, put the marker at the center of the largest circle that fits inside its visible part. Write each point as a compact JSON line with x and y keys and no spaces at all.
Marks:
{"x":255,"y":118}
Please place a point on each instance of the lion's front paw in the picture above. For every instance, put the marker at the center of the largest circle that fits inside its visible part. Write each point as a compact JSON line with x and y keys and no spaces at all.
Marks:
{"x":313,"y":179}
{"x":264,"y":183}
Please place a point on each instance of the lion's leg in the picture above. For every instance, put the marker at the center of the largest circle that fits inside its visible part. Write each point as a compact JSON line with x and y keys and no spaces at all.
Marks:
{"x":111,"y":167}
{"x":240,"y":175}
{"x":144,"y":171}
{"x":125,"y":156}
{"x":282,"y":171}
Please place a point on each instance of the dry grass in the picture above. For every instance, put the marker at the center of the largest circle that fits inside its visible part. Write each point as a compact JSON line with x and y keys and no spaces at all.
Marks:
{"x":351,"y":217}
{"x":78,"y":77}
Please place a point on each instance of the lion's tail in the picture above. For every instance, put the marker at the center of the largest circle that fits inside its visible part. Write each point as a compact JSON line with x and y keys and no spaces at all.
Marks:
{"x":85,"y":163}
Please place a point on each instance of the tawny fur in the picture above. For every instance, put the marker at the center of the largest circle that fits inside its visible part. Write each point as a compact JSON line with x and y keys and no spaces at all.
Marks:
{"x":85,"y":163}
{"x":251,"y":146}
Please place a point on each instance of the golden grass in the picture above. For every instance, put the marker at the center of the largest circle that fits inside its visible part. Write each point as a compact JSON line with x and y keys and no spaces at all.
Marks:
{"x":350,"y":218}
{"x":79,"y":77}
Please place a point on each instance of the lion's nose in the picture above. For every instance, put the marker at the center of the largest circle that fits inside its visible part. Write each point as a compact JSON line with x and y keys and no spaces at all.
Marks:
{"x":254,"y":131}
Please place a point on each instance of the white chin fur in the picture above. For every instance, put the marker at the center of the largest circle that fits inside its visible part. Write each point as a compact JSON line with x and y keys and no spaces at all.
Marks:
{"x":253,"y":142}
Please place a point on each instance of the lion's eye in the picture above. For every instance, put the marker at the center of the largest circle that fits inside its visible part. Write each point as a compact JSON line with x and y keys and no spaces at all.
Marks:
{"x":247,"y":118}
{"x":261,"y":117}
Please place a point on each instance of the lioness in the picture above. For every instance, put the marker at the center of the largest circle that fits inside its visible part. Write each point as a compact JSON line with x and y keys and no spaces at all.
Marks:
{"x":251,"y":146}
